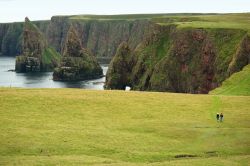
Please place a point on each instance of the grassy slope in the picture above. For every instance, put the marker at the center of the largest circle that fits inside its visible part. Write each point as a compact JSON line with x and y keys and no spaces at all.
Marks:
{"x":68,"y":126}
{"x":226,"y":42}
{"x":50,"y":55}
{"x":237,"y":84}
{"x":229,"y":21}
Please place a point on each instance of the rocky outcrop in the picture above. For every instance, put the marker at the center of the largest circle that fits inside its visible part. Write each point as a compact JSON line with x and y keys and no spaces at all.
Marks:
{"x":180,"y":60}
{"x":163,"y":57}
{"x":102,"y":38}
{"x":36,"y":55}
{"x":189,"y":67}
{"x":77,"y":63}
{"x":120,"y":68}
{"x":57,"y":32}
{"x":11,"y":36}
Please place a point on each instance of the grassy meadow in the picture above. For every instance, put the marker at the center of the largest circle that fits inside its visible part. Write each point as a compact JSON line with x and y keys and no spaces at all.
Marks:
{"x":218,"y":21}
{"x":83,"y":127}
{"x":182,"y":20}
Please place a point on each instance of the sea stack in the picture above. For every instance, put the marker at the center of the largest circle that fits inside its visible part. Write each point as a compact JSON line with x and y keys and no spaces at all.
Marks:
{"x":77,"y":63}
{"x":36,"y":55}
{"x":117,"y":76}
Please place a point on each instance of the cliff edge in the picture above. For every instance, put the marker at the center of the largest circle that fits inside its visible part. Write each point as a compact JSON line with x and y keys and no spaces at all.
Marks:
{"x":182,"y":60}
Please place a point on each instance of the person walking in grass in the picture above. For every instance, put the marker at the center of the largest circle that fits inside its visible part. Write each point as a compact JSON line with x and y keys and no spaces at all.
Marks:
{"x":221,"y":117}
{"x":218,"y":117}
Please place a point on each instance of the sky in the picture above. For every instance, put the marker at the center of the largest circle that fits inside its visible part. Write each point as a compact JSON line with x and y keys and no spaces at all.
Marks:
{"x":17,"y":10}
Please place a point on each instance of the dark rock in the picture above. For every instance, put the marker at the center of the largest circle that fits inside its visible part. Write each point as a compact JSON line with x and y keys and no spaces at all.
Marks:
{"x":32,"y":64}
{"x":102,"y":38}
{"x":27,"y":19}
{"x":77,"y":63}
{"x":178,"y":60}
{"x":10,"y":39}
{"x":117,"y":76}
{"x":185,"y":156}
{"x":20,"y":64}
{"x":163,"y":58}
{"x":36,"y":55}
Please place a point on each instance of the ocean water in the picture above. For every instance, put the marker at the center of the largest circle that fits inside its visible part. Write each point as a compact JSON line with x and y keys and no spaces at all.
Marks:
{"x":41,"y":80}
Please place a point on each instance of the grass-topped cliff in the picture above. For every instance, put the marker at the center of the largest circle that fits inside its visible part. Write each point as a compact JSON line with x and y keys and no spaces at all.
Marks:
{"x":224,"y":21}
{"x":187,"y":53}
{"x":80,"y":127}
{"x":191,"y":53}
{"x":177,"y":52}
{"x":191,"y":60}
{"x":108,"y":31}
{"x":235,"y":21}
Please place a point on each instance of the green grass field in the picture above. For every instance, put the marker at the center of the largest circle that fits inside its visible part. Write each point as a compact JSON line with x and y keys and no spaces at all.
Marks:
{"x":81,"y":127}
{"x":220,"y":21}
{"x":182,"y":20}
{"x":237,"y":84}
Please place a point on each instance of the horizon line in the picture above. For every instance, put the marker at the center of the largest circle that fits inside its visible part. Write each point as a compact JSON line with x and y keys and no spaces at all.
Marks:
{"x":127,"y":14}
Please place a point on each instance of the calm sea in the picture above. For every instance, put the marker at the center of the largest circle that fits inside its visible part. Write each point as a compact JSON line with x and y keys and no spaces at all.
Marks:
{"x":41,"y":80}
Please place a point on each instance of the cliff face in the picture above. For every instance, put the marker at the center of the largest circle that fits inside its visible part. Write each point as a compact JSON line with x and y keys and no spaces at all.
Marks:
{"x":10,"y":39}
{"x":164,"y":53}
{"x":100,"y":37}
{"x":11,"y":36}
{"x":185,"y":60}
{"x":118,"y":75}
{"x":36,"y":55}
{"x":57,"y":32}
{"x":190,"y":65}
{"x":77,"y":63}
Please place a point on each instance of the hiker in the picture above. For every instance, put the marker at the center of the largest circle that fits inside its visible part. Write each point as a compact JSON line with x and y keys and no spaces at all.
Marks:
{"x":218,"y":117}
{"x":221,"y":117}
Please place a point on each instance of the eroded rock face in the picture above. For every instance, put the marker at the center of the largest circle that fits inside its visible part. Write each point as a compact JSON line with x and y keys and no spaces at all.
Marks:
{"x":33,"y":46}
{"x":180,"y":60}
{"x":33,"y":64}
{"x":36,"y":55}
{"x":77,"y":63}
{"x":189,"y":67}
{"x":102,"y":38}
{"x":33,"y":40}
{"x":242,"y":57}
{"x":164,"y":58}
{"x":117,"y":76}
